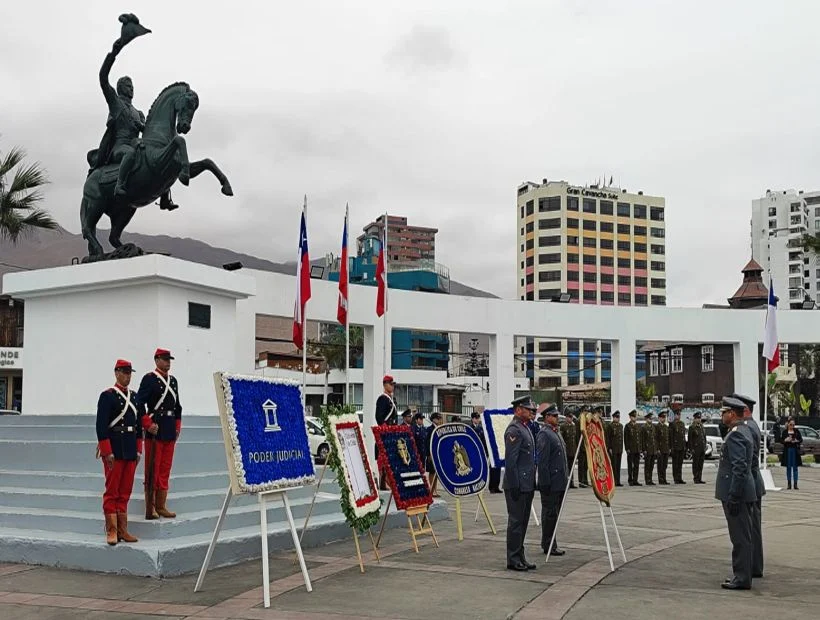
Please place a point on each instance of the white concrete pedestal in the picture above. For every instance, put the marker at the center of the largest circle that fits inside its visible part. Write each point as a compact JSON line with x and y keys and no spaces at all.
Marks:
{"x":79,"y":319}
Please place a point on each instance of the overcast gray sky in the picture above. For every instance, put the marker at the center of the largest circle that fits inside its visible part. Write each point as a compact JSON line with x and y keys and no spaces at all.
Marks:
{"x":437,"y":111}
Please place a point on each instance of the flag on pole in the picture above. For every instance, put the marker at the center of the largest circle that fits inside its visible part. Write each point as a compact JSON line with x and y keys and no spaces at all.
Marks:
{"x":381,"y":275}
{"x":341,"y":311}
{"x":302,"y":284}
{"x":771,"y":348}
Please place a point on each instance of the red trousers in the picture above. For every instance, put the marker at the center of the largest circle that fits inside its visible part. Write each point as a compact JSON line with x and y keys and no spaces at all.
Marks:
{"x":163,"y":458}
{"x":119,"y":480}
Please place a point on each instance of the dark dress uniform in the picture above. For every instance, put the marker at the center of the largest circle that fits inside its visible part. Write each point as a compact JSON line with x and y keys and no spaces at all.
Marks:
{"x":697,"y":445}
{"x":519,"y":486}
{"x":649,"y":443}
{"x":118,"y":433}
{"x":387,"y":414}
{"x":570,"y":436}
{"x":159,"y":393}
{"x":736,"y":490}
{"x":633,"y":442}
{"x":615,"y":446}
{"x":677,"y":431}
{"x":552,"y":482}
{"x":662,"y":436}
{"x":583,"y":479}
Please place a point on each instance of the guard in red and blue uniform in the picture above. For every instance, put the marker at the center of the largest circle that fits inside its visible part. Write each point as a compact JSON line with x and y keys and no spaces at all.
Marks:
{"x":119,"y":438}
{"x":161,"y":423}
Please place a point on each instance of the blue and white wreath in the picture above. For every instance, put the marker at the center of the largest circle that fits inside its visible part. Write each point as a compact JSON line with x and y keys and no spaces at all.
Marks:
{"x":266,"y":435}
{"x":495,"y":423}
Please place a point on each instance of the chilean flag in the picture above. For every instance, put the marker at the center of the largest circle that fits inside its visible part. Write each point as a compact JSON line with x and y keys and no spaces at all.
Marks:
{"x":771,"y":348}
{"x":302,"y":284}
{"x":381,"y":276}
{"x":341,"y":311}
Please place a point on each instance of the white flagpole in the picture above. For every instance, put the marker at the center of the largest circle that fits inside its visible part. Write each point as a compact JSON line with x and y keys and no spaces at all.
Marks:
{"x":763,"y":450}
{"x":304,"y":330}
{"x":347,"y":314}
{"x":386,"y":302}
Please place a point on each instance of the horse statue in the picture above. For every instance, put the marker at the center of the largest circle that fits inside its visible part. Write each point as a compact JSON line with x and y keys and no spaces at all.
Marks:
{"x":154,"y":161}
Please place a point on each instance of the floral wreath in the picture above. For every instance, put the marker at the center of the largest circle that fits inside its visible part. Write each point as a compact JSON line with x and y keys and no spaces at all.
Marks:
{"x":294,"y":473}
{"x":389,"y":463}
{"x":495,"y":423}
{"x":363,"y":513}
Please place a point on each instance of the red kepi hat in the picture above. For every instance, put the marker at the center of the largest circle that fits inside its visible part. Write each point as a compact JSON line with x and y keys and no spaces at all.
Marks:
{"x":163,"y":353}
{"x":123,"y":365}
{"x":387,"y":379}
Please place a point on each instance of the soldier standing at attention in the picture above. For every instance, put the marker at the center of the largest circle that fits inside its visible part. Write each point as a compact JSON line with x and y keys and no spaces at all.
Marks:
{"x":386,"y":414}
{"x":571,"y":441}
{"x":678,"y":440}
{"x":615,"y":445}
{"x":519,"y":481}
{"x":162,"y":421}
{"x":649,"y":443}
{"x":552,"y":478}
{"x":664,"y":445}
{"x":760,"y":488}
{"x":633,"y":442}
{"x":582,"y":453}
{"x":735,"y":488}
{"x":119,"y":444}
{"x":697,"y":445}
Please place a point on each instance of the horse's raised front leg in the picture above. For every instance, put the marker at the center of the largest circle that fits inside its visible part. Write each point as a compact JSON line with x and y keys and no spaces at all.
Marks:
{"x":182,"y":148}
{"x":198,"y":167}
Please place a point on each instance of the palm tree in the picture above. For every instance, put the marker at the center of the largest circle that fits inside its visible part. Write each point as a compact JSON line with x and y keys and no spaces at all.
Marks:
{"x":20,"y":196}
{"x":811,"y":243}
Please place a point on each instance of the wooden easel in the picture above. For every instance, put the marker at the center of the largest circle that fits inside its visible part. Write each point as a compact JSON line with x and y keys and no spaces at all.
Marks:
{"x":482,"y":505}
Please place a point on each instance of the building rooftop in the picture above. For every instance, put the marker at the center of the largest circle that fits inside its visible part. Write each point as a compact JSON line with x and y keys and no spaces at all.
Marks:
{"x":752,"y":292}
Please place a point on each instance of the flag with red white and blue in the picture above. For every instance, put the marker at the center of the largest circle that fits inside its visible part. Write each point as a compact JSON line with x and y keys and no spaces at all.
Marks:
{"x":302,"y":284}
{"x":341,"y":310}
{"x":771,"y":347}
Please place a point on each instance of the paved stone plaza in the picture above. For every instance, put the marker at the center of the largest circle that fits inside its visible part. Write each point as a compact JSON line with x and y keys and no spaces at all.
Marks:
{"x":675,"y":537}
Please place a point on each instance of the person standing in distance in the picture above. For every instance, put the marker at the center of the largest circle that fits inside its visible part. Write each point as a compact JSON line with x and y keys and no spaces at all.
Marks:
{"x":119,"y":444}
{"x":162,"y":422}
{"x":570,"y":441}
{"x":615,"y":445}
{"x":633,"y":442}
{"x":662,"y":435}
{"x":552,"y":477}
{"x":697,"y":445}
{"x":736,"y":491}
{"x":678,"y":440}
{"x":649,"y":443}
{"x":386,"y":415}
{"x":519,"y":481}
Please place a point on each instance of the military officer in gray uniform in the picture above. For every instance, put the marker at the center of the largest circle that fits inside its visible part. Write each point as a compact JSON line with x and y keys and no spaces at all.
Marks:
{"x":760,"y":488}
{"x":519,"y":481}
{"x":552,"y":477}
{"x":735,"y":488}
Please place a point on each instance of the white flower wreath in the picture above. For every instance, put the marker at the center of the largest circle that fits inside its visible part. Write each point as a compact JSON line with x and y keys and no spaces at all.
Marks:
{"x":349,"y":418}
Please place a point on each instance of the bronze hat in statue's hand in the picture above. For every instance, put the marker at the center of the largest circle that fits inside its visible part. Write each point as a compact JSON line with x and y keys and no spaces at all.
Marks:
{"x":131,"y":28}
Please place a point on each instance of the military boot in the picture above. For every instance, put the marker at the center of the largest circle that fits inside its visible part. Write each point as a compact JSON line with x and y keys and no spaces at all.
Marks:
{"x":150,"y":513}
{"x":111,"y":528}
{"x":122,"y":528}
{"x":162,"y":511}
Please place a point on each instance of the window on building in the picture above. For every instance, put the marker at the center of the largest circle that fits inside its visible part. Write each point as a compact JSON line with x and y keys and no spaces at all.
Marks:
{"x":553,"y":222}
{"x":653,"y":364}
{"x":624,"y":262}
{"x":530,"y":244}
{"x":530,"y":261}
{"x":664,"y":366}
{"x":530,"y":296}
{"x":549,"y":276}
{"x":772,"y":211}
{"x":816,"y":224}
{"x":530,"y":278}
{"x":707,"y":358}
{"x":549,"y":364}
{"x":573,"y":295}
{"x":522,"y":232}
{"x":708,"y":397}
{"x":522,"y":284}
{"x":607,"y":278}
{"x":522,"y":264}
{"x":530,"y":207}
{"x":572,"y":276}
{"x":590,"y":276}
{"x":590,"y":225}
{"x":657,"y":265}
{"x":640,"y":247}
{"x":199,"y":315}
{"x":658,"y":300}
{"x":547,"y":259}
{"x":624,"y":246}
{"x":658,"y":249}
{"x":606,"y":226}
{"x":589,"y":205}
{"x":640,"y":281}
{"x":572,"y":203}
{"x":677,"y":360}
{"x":656,"y":214}
{"x":772,"y":223}
{"x":608,"y":261}
{"x":590,"y":296}
{"x":589,"y":242}
{"x":572,"y":240}
{"x":552,"y":203}
{"x":589,"y":259}
{"x":624,"y":280}
{"x":549,"y":346}
{"x":624,"y":299}
{"x":624,"y":209}
{"x":572,"y":258}
{"x":658,"y":282}
{"x":606,"y":244}
{"x":640,"y":300}
{"x":546,"y":294}
{"x":796,"y":219}
{"x":572,"y":347}
{"x":607,"y":296}
{"x":606,"y":207}
{"x":795,"y":282}
{"x":572,"y":222}
{"x":640,"y":231}
{"x":549,"y":241}
{"x":640,"y":263}
{"x":795,"y":207}
{"x":640,"y":212}
{"x":623,"y":229}
{"x":657,"y":232}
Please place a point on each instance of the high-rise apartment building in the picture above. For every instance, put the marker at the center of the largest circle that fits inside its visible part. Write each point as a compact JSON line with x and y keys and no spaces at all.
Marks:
{"x":779,"y":221}
{"x":406,"y":245}
{"x":593,"y":245}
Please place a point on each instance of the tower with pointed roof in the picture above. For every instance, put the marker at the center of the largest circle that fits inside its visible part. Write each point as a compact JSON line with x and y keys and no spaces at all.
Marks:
{"x":752,"y":292}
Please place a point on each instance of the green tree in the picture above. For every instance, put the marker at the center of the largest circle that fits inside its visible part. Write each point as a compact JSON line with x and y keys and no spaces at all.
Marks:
{"x":644,"y":391}
{"x":332,"y":346}
{"x":20,"y":196}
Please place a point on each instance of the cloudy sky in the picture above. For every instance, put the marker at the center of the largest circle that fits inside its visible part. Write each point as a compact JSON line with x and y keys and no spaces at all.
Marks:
{"x":437,"y":111}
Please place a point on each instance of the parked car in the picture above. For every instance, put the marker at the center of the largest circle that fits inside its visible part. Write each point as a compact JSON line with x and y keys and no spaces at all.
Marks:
{"x":811,"y":441}
{"x":319,"y":446}
{"x":714,"y":442}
